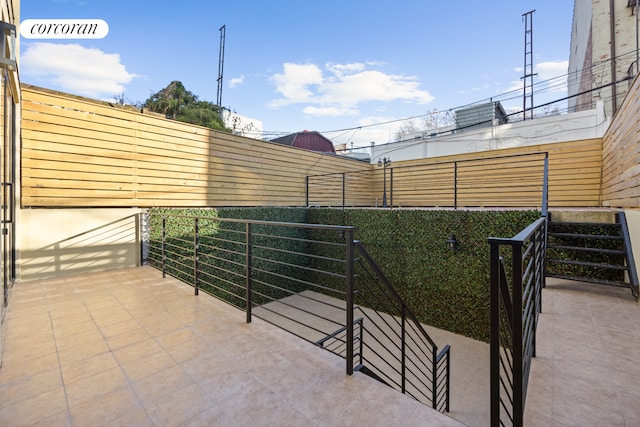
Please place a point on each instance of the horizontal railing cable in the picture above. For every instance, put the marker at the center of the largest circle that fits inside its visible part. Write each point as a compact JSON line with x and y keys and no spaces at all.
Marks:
{"x":515,"y":308}
{"x":310,"y":280}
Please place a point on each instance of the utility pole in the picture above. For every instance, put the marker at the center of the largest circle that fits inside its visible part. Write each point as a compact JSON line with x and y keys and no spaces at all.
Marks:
{"x":223,"y":31}
{"x":527,"y":101}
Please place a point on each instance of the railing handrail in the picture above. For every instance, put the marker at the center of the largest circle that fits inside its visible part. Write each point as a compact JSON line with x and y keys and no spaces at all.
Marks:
{"x":426,"y":166}
{"x":545,"y":185}
{"x":261,"y":222}
{"x":440,"y":386}
{"x":522,"y":236}
{"x":517,"y":304}
{"x":424,"y":372}
{"x":633,"y":272}
{"x":363,"y":251}
{"x":446,"y":162}
{"x":333,"y":334}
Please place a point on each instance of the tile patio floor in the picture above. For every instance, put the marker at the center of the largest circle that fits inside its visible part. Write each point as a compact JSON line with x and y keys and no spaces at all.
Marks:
{"x":587,"y":368}
{"x":128,"y":348}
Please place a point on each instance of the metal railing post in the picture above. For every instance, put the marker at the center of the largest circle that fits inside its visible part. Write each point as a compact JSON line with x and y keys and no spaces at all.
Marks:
{"x":448,"y":378}
{"x":391,"y":187}
{"x":306,"y":192}
{"x":196,"y":253}
{"x":343,"y":189}
{"x":350,"y":270}
{"x":545,"y":185}
{"x":403,"y":351}
{"x":248,"y":281}
{"x":516,"y":332}
{"x":455,"y":185}
{"x":361,"y":343}
{"x":535,"y":254}
{"x":434,"y":378}
{"x":494,"y":344}
{"x":164,"y":239}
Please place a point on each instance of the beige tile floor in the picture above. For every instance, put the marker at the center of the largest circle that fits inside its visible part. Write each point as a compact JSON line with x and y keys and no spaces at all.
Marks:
{"x":128,"y":348}
{"x":587,"y":368}
{"x":469,"y":400}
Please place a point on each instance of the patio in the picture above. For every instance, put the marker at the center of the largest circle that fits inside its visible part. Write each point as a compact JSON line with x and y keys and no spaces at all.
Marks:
{"x":586,"y":368}
{"x":126,"y":347}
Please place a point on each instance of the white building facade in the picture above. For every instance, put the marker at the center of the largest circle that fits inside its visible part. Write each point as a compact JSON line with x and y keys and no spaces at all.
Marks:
{"x":604,"y":50}
{"x":545,"y":130}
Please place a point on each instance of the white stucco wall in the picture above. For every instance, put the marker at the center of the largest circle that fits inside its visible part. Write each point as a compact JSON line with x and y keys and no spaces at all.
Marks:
{"x":633,"y":222}
{"x":566,"y":127}
{"x":56,"y":242}
{"x":580,"y":30}
{"x":242,"y":125}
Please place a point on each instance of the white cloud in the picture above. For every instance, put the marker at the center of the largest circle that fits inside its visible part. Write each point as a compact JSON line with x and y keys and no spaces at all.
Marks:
{"x":75,"y":69}
{"x":553,"y":73}
{"x":516,"y":85}
{"x":294,"y":83}
{"x":338,"y":88}
{"x":550,"y":69}
{"x":236,"y":81}
{"x":329,"y":111}
{"x":341,"y":69}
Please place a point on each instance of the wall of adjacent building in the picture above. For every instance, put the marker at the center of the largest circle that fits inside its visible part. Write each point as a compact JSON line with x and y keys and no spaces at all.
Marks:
{"x":544,"y":130}
{"x":56,"y":242}
{"x":594,"y":61}
{"x":9,"y":96}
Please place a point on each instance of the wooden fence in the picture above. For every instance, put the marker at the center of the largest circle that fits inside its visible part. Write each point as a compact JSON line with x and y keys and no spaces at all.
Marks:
{"x":499,"y":178}
{"x":621,"y":154}
{"x":83,"y":153}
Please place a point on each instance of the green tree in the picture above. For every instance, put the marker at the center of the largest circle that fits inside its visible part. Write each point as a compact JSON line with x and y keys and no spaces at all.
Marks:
{"x":176,"y":102}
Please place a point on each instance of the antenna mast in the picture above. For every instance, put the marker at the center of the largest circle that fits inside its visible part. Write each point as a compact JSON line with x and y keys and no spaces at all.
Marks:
{"x":527,"y":101}
{"x":223,"y":31}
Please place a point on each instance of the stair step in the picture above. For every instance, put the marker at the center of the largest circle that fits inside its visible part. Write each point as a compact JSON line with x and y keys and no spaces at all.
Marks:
{"x":589,"y":280}
{"x":588,"y":264}
{"x":586,"y":236}
{"x":587,"y":249}
{"x":585,"y":224}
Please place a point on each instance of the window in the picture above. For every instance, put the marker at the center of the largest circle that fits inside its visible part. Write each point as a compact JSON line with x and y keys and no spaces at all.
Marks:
{"x":8,"y":46}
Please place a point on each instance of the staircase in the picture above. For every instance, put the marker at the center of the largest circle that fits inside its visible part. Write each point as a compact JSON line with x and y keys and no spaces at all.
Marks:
{"x":591,"y":247}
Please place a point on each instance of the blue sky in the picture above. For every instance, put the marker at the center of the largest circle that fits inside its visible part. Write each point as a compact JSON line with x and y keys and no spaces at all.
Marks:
{"x":335,"y":66}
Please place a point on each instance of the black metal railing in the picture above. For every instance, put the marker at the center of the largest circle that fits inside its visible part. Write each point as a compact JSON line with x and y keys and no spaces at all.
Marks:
{"x":399,"y":350}
{"x":634,"y":283}
{"x":311,"y":280}
{"x":513,"y":180}
{"x":336,"y":342}
{"x":339,"y":189}
{"x":516,"y":280}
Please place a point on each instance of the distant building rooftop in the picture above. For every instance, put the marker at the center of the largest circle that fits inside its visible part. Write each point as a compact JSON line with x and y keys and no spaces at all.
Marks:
{"x":482,"y":115}
{"x":309,"y":140}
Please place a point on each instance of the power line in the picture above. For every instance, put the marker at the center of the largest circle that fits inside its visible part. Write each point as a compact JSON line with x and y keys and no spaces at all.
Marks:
{"x":541,"y":87}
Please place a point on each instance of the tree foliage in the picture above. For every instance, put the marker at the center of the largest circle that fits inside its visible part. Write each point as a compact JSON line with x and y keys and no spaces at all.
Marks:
{"x":432,"y":121}
{"x":176,"y":102}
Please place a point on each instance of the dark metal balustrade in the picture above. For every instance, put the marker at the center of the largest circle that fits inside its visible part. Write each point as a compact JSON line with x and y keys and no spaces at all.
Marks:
{"x":313,"y":281}
{"x":517,"y":278}
{"x":458,"y":183}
